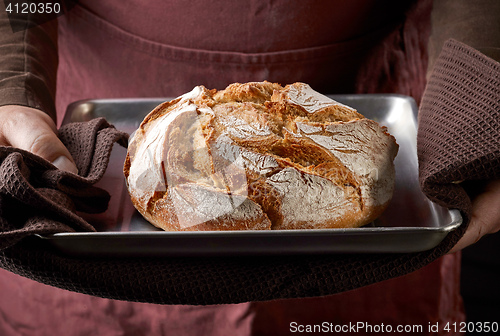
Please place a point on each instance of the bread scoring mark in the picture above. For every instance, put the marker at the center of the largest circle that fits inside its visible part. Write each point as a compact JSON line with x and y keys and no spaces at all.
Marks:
{"x":312,"y":101}
{"x":308,"y":199}
{"x":366,"y":150}
{"x":240,"y":129}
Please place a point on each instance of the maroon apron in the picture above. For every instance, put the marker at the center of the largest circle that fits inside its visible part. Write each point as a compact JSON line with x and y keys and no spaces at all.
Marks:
{"x":110,"y":50}
{"x":166,"y":48}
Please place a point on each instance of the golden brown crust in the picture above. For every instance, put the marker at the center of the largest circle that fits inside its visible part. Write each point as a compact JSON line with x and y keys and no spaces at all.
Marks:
{"x":259,"y":156}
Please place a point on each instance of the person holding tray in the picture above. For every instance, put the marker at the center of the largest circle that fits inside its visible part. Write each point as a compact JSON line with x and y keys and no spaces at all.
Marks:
{"x":111,"y":50}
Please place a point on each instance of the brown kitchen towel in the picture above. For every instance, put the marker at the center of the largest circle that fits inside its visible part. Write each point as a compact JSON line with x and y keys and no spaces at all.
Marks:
{"x":465,"y":87}
{"x":459,"y":125}
{"x":37,"y":198}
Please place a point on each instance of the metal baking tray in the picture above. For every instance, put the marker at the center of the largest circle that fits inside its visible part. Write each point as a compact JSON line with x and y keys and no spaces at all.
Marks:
{"x":411,"y":223}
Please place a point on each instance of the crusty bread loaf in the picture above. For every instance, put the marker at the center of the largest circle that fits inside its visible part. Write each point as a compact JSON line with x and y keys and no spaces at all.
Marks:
{"x":259,"y":156}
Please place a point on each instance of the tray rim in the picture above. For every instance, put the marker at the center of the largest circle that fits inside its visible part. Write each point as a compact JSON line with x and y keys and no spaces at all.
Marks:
{"x":454,"y":215}
{"x":456,"y":221}
{"x":72,"y":106}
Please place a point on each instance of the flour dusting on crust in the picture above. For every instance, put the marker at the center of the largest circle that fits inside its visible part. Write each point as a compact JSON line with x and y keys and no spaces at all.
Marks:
{"x":259,"y":156}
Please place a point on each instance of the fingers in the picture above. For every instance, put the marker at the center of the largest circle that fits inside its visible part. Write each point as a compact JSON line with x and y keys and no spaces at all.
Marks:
{"x":34,"y":131}
{"x":485,"y":218}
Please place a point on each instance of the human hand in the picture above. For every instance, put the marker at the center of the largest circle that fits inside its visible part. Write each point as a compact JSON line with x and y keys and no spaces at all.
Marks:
{"x":485,"y":216}
{"x":33,"y":130}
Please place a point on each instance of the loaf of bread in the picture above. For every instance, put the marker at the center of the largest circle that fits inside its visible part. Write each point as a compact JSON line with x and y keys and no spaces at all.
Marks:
{"x":259,"y":156}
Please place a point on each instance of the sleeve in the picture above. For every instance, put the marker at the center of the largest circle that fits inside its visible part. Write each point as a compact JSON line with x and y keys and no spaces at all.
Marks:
{"x":28,"y":61}
{"x":474,"y":23}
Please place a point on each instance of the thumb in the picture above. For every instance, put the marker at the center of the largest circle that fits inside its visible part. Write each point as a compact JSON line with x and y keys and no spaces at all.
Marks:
{"x":64,"y":162}
{"x":485,"y":215}
{"x":34,"y":131}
